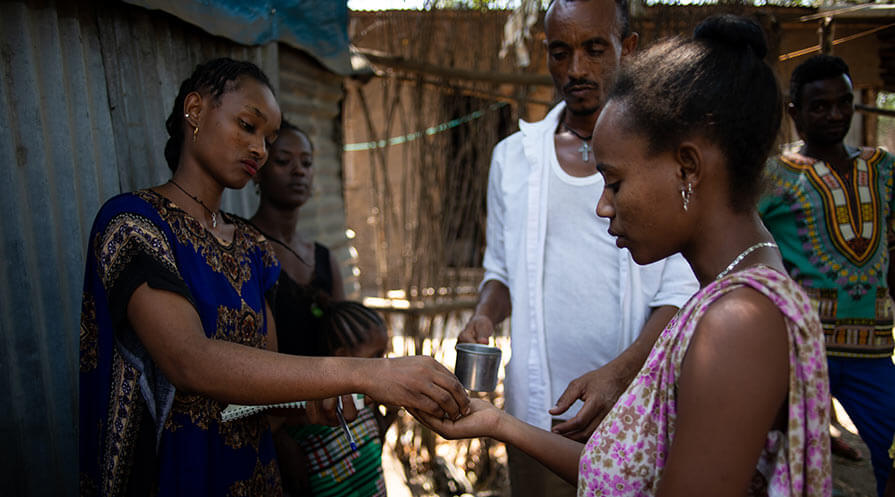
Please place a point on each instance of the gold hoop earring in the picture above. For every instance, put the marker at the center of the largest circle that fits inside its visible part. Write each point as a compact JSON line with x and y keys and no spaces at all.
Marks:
{"x":195,"y":134}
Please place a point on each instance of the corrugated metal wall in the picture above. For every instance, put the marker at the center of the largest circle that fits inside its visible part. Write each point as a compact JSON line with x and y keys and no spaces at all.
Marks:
{"x":84,"y":92}
{"x":58,"y":163}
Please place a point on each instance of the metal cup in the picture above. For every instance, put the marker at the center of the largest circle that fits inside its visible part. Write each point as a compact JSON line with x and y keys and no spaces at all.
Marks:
{"x":477,"y":366}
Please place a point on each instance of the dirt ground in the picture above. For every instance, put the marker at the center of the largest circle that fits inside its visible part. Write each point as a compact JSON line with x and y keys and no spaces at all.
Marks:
{"x":852,"y":479}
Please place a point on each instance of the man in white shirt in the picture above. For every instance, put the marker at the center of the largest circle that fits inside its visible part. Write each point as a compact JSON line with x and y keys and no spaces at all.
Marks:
{"x":584,"y":314}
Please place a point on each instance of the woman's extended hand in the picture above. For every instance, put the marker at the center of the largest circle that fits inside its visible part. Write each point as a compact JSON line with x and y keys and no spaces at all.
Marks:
{"x":482,"y":421}
{"x":419,"y":383}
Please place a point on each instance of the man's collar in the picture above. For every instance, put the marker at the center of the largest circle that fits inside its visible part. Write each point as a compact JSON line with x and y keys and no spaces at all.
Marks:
{"x":551,"y":120}
{"x":851,"y":153}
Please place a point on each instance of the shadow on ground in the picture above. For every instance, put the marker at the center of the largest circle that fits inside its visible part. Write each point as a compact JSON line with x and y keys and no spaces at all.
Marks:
{"x":853,"y":479}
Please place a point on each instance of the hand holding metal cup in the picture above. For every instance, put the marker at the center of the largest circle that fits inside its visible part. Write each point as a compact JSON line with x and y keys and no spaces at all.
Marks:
{"x":477,"y":366}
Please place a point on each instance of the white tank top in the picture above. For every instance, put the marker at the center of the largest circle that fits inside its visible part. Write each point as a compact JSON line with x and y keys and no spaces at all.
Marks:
{"x":581,"y":287}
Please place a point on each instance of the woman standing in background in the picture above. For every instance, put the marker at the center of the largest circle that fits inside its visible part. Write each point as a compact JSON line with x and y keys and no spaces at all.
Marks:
{"x":285,"y":184}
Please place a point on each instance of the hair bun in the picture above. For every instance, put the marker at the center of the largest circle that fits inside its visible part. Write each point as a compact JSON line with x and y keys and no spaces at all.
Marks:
{"x":733,"y":31}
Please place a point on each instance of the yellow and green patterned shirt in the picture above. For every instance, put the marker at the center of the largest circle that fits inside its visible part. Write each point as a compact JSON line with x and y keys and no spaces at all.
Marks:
{"x":837,"y":249}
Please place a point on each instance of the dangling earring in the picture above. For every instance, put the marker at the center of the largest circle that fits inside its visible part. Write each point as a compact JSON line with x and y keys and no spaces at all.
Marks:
{"x":257,"y":189}
{"x":685,"y":195}
{"x":195,"y":129}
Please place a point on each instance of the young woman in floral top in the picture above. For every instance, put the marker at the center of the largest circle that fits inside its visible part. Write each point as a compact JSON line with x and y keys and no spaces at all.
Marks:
{"x":733,"y":398}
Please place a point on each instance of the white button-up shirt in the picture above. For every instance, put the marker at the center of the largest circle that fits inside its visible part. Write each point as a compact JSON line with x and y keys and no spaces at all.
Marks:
{"x":516,"y":231}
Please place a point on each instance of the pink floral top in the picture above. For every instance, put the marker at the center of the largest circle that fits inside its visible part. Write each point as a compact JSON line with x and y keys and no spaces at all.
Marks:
{"x":627,"y":453}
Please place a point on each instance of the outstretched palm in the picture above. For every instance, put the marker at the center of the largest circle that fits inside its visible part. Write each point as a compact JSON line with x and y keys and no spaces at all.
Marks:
{"x":482,"y":421}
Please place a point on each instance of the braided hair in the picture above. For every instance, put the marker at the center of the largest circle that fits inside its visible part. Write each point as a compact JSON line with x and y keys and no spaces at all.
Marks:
{"x":344,"y":324}
{"x":213,"y":78}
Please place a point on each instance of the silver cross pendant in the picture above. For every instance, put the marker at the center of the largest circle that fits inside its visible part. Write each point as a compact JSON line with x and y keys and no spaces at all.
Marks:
{"x":585,"y":151}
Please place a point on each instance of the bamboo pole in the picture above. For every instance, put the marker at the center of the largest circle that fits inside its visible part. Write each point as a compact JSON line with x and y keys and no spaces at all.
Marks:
{"x":403,"y":64}
{"x":874,"y":110}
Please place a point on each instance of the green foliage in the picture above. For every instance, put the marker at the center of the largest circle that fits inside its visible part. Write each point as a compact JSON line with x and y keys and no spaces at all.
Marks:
{"x":885,"y":100}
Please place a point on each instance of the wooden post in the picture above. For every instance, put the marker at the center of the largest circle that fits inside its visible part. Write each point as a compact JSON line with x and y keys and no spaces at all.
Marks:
{"x":825,"y":31}
{"x":870,"y":120}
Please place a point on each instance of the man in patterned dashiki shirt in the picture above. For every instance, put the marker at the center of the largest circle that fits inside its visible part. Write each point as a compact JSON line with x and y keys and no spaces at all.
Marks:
{"x":830,"y":208}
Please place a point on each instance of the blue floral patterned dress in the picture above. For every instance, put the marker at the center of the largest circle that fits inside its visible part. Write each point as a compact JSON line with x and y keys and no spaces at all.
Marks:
{"x":138,"y":434}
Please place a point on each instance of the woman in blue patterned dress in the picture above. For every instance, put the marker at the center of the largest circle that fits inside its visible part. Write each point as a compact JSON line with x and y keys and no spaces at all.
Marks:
{"x":176,"y":323}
